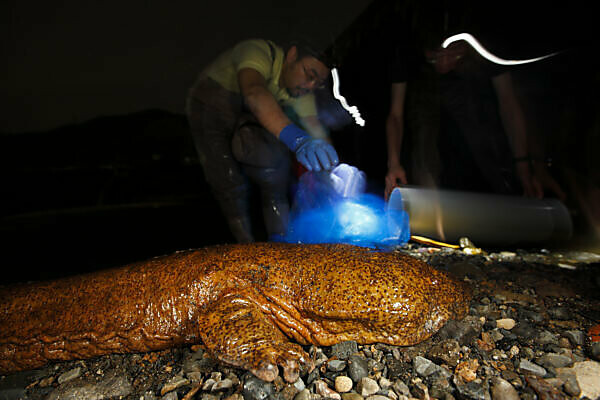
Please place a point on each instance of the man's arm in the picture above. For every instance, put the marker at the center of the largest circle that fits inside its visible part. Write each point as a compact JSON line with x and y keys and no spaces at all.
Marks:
{"x":394,"y":133}
{"x":314,"y":127}
{"x":513,"y":120}
{"x":312,"y":153}
{"x":261,"y":102}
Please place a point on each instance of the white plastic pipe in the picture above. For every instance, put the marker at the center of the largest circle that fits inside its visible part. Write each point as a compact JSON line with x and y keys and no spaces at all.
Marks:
{"x":486,"y":219}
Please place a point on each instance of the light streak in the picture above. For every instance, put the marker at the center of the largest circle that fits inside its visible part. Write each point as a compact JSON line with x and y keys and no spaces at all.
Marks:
{"x":336,"y":93}
{"x":486,"y":54}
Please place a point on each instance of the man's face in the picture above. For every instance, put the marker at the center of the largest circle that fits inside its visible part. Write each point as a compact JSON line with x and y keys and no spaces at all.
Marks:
{"x":302,"y":76}
{"x":445,"y":60}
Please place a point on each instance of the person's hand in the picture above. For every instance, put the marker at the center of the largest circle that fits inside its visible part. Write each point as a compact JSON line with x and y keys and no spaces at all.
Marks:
{"x":542,"y":175}
{"x":396,"y":176}
{"x":317,"y":154}
{"x":531,"y":186}
{"x":314,"y":154}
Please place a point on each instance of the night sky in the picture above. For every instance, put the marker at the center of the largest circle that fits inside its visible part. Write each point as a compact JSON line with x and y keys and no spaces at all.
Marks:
{"x":68,"y":61}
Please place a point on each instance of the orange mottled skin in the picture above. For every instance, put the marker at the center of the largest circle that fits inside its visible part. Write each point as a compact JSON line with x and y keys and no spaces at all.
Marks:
{"x":242,"y":301}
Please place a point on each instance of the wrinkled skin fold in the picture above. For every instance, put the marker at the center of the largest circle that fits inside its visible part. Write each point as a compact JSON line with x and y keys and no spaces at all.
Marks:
{"x":249,"y":304}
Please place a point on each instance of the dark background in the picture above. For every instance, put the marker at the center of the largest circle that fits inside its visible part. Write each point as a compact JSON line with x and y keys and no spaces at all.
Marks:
{"x":98,"y":167}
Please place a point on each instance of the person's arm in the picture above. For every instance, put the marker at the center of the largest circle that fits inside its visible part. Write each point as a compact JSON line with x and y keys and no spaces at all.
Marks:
{"x":314,"y":127}
{"x":513,"y":120}
{"x":394,"y":133}
{"x":261,"y":102}
{"x":314,"y":154}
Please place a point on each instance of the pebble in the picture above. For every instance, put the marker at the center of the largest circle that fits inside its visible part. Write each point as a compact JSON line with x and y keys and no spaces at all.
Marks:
{"x":503,"y":390}
{"x":400,"y":388}
{"x":546,"y":337}
{"x":561,"y":313}
{"x":111,"y":386}
{"x":325,"y":391}
{"x":358,"y":368}
{"x":302,"y":395}
{"x":529,"y":367}
{"x":352,"y":396}
{"x":367,"y":386}
{"x":256,"y":389}
{"x":505,"y":323}
{"x":343,"y":384}
{"x":447,"y":351}
{"x":595,"y":350}
{"x":69,"y":375}
{"x":344,"y":350}
{"x":577,"y":338}
{"x":336,"y":365}
{"x":554,"y":360}
{"x":425,"y":367}
{"x":174,"y":383}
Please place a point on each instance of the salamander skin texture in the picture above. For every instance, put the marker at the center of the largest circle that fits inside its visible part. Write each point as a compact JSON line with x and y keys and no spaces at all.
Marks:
{"x":244,"y":302}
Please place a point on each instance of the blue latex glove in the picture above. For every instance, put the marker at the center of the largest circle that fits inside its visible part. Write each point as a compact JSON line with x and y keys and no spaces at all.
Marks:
{"x":314,"y":154}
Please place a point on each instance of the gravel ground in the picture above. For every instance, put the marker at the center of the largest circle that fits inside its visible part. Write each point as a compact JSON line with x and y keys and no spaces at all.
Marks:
{"x":529,"y":334}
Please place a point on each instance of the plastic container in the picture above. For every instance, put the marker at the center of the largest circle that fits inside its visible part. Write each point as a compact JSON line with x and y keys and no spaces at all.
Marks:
{"x":486,"y":219}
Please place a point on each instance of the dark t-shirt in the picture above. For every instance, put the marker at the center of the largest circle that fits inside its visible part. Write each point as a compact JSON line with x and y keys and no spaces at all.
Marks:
{"x":462,"y":107}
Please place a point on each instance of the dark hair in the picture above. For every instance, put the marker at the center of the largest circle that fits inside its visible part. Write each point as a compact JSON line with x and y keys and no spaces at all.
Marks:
{"x":307,"y":49}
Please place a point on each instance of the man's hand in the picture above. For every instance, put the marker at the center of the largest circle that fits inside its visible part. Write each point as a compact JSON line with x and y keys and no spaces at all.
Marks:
{"x":542,"y":175}
{"x":314,"y":154}
{"x":396,"y":176}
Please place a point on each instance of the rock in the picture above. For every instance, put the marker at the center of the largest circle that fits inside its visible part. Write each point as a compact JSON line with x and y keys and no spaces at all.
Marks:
{"x":466,"y":371}
{"x":472,"y":390}
{"x":532,"y":316}
{"x":174,"y":383}
{"x":222,"y":385}
{"x":358,"y":368}
{"x":425,"y":367}
{"x":400,"y":388}
{"x":503,"y":390}
{"x":352,"y":396}
{"x":173,"y":396}
{"x":110,"y":386}
{"x":378,"y":397}
{"x":343,"y":384}
{"x":529,"y":367}
{"x":543,"y":388}
{"x":367,"y":387}
{"x":257,"y":389}
{"x":577,"y":338}
{"x":69,"y":375}
{"x":461,"y":269}
{"x":460,"y":331}
{"x":587,"y":373}
{"x":325,"y":391}
{"x":561,"y":313}
{"x":447,"y":351}
{"x":344,"y":350}
{"x":524,"y":330}
{"x":505,"y":323}
{"x":545,"y":337}
{"x":595,"y":350}
{"x":336,"y":365}
{"x":554,"y":360}
{"x":299,"y":384}
{"x":302,"y":395}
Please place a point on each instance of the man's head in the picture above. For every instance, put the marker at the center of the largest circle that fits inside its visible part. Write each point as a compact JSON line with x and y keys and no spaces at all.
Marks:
{"x":304,"y":70}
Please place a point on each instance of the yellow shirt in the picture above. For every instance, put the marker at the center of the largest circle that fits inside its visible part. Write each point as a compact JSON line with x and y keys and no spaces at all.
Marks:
{"x":266,"y":58}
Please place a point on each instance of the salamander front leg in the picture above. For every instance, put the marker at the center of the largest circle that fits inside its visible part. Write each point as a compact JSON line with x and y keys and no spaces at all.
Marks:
{"x":237,"y":332}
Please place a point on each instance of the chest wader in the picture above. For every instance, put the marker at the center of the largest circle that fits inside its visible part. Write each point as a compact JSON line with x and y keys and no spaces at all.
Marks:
{"x":234,"y":148}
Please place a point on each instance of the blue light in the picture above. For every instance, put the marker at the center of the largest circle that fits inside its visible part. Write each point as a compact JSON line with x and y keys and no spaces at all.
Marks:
{"x":320,"y":215}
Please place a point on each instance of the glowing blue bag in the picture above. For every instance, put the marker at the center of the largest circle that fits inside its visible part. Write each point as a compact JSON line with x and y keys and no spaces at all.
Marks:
{"x":333,"y":208}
